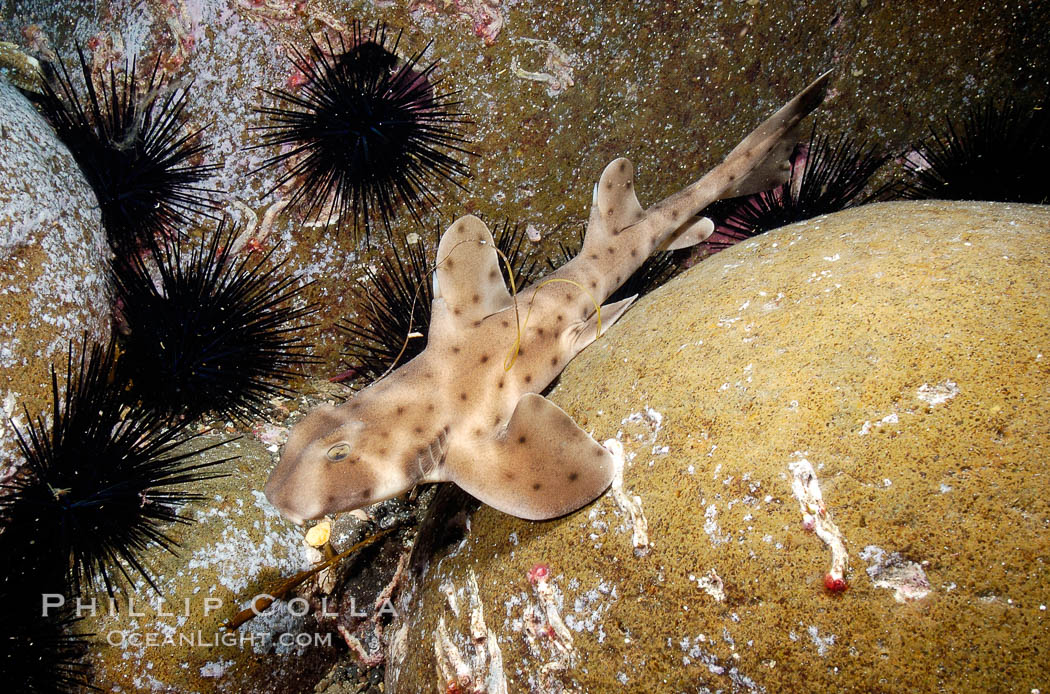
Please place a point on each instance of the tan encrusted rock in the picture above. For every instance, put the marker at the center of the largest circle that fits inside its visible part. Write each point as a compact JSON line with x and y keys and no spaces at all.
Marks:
{"x":53,"y":254}
{"x":238,"y":547}
{"x":900,"y":352}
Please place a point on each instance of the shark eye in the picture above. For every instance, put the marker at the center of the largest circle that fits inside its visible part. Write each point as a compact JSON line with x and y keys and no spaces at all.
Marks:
{"x":338,"y":452}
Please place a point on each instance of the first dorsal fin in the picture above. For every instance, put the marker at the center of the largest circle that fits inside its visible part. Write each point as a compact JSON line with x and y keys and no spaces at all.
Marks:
{"x":467,"y":275}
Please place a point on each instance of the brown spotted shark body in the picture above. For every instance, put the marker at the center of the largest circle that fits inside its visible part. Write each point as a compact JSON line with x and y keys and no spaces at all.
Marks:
{"x":468,"y":409}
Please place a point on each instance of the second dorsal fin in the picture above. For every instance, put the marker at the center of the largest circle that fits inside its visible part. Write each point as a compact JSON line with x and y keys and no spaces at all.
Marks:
{"x":615,"y":205}
{"x":467,"y":275}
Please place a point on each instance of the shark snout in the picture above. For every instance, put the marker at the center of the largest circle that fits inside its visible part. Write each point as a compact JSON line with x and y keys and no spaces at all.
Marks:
{"x":289,"y":485}
{"x":273,"y":493}
{"x":289,"y":493}
{"x":292,"y":517}
{"x":290,"y":504}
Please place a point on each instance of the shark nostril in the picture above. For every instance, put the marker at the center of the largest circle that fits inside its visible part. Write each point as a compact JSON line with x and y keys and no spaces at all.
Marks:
{"x":298,"y":520}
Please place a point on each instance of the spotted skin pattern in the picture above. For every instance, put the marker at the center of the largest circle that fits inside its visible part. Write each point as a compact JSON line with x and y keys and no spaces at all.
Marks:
{"x":468,"y":409}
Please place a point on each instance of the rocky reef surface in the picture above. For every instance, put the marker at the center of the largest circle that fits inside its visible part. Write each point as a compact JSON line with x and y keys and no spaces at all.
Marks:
{"x":53,"y":256}
{"x":878,"y":376}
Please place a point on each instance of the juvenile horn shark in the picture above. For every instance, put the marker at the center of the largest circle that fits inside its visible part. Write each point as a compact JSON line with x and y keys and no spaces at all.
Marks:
{"x":468,"y":410}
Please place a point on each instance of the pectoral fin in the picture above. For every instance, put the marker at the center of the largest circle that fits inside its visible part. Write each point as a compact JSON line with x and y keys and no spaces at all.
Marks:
{"x":542,"y":466}
{"x":467,"y":275}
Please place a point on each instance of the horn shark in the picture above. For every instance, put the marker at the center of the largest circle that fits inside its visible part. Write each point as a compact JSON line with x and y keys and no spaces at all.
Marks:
{"x":468,"y":410}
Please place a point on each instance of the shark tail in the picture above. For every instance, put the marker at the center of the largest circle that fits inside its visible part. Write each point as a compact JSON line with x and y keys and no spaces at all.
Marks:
{"x":758,"y":163}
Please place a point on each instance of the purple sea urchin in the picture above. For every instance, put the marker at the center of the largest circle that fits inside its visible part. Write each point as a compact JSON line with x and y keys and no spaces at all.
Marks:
{"x":825,"y":177}
{"x":128,"y":138}
{"x":366,"y":134}
{"x":101,"y":483}
{"x":998,"y":153}
{"x":212,"y":333}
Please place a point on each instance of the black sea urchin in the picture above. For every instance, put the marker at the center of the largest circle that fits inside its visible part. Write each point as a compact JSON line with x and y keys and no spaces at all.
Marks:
{"x":999,"y":153}
{"x":100,"y":484}
{"x":38,"y":651}
{"x":517,"y":256}
{"x":128,"y":138}
{"x":825,"y":177}
{"x":211,"y":333}
{"x":394,"y":315}
{"x":366,"y":133}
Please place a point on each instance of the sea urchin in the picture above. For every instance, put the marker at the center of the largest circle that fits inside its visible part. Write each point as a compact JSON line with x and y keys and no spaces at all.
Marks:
{"x":101,"y":483}
{"x":998,"y":154}
{"x":366,"y":133}
{"x":127,"y":137}
{"x":515,"y":254}
{"x":211,"y":333}
{"x":39,"y":651}
{"x":826,"y":176}
{"x":393,"y":314}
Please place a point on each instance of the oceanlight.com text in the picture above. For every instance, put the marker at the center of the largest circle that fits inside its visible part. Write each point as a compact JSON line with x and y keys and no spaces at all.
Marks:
{"x":229,"y":639}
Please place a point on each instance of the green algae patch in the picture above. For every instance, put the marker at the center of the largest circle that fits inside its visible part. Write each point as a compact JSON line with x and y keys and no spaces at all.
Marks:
{"x":890,"y":359}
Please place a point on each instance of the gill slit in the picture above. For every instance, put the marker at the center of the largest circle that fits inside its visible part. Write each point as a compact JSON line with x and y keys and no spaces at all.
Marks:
{"x":434,"y":454}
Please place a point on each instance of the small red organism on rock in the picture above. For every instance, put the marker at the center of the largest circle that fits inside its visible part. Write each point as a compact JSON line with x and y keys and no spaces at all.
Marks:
{"x":539,"y":573}
{"x":343,"y":376}
{"x":459,"y":685}
{"x":835,"y":584}
{"x":296,"y":79}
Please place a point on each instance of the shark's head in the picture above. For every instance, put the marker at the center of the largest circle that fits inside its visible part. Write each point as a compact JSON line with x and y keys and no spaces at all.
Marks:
{"x":330,"y":464}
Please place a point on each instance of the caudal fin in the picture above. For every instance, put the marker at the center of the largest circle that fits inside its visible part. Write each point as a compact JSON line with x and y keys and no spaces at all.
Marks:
{"x":758,"y":163}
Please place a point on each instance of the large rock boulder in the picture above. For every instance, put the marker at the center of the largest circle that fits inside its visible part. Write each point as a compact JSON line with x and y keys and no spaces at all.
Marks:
{"x":53,"y":252}
{"x":879,"y":375}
